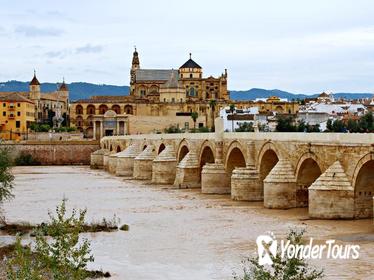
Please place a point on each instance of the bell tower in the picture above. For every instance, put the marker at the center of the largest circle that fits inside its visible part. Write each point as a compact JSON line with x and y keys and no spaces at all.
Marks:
{"x":134,"y":66}
{"x":34,"y":88}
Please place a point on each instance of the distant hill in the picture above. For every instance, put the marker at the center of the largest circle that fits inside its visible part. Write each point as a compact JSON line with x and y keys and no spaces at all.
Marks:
{"x":77,"y":90}
{"x":254,"y":93}
{"x":85,"y":90}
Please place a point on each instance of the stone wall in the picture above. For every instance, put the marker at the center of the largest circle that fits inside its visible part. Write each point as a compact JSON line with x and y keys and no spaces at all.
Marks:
{"x":57,"y":153}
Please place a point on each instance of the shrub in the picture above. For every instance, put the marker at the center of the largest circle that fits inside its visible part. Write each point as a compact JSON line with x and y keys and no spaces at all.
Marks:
{"x":245,"y":127}
{"x":173,"y":129}
{"x":59,"y":257}
{"x":281,"y":269}
{"x":25,"y":159}
{"x":6,"y":177}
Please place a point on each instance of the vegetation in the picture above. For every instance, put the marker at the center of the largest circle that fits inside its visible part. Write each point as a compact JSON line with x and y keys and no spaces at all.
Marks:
{"x":25,"y":159}
{"x":288,"y":124}
{"x":173,"y":129}
{"x":36,"y":127}
{"x":65,"y":129}
{"x":281,"y":269}
{"x":212,"y":105}
{"x":232,"y":110}
{"x":362,"y":125}
{"x":194,"y":116}
{"x":60,"y":257}
{"x":245,"y":127}
{"x":6,"y":177}
{"x":40,"y":127}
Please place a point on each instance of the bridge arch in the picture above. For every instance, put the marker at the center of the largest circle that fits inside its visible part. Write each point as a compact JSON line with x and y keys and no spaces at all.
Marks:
{"x":183,"y":149}
{"x":363,"y":183}
{"x":267,"y":159}
{"x":207,"y":154}
{"x":235,"y":157}
{"x":308,"y":169}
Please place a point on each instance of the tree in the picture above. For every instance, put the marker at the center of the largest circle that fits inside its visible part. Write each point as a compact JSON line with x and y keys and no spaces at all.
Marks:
{"x":353,"y":126}
{"x":59,"y":257}
{"x":232,"y":110}
{"x":212,"y":105}
{"x":285,"y":124}
{"x":245,"y":127}
{"x":281,"y":269}
{"x":194,"y":116}
{"x":6,"y":177}
{"x":329,"y":125}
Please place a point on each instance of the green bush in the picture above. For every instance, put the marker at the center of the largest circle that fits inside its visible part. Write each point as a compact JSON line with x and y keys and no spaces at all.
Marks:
{"x":6,"y":177}
{"x":25,"y":159}
{"x":281,"y":269}
{"x":173,"y":129}
{"x":60,"y":256}
{"x":245,"y":127}
{"x":40,"y":127}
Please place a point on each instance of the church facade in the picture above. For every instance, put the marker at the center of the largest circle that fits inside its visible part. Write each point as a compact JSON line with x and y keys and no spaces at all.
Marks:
{"x":158,"y":99}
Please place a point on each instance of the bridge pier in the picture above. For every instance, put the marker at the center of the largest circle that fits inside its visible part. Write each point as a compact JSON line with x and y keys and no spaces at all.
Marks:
{"x":143,"y":163}
{"x":331,"y":196}
{"x":245,"y":184}
{"x":214,"y":179}
{"x":106,"y":159}
{"x":280,"y":186}
{"x":164,"y":166}
{"x":97,"y":159}
{"x":125,"y":161}
{"x":112,"y":163}
{"x":187,"y":174}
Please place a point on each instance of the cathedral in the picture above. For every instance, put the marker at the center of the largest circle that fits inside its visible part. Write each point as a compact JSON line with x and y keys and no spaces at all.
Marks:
{"x":169,"y":85}
{"x":158,"y":99}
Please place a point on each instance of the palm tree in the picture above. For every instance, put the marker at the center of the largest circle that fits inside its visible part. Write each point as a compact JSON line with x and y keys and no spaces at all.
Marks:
{"x":212,"y":105}
{"x":232,"y":110}
{"x":194,"y":116}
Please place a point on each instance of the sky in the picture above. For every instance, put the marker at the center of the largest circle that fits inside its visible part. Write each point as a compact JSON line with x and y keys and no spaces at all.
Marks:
{"x":295,"y":45}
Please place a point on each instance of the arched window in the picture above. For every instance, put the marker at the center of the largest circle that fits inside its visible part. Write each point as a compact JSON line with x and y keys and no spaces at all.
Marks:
{"x":79,"y":110}
{"x":117,"y":109}
{"x":90,"y":110}
{"x":102,"y":109}
{"x":128,"y":110}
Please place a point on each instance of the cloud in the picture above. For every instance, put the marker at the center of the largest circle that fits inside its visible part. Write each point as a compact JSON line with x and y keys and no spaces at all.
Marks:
{"x":89,"y":49}
{"x":57,"y":54}
{"x":34,"y":31}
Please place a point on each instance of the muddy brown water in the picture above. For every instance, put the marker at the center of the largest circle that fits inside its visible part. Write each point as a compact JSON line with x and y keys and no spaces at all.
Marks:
{"x":175,"y":234}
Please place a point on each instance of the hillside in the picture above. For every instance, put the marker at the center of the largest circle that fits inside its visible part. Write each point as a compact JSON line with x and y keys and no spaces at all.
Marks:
{"x":77,"y":90}
{"x":82,"y":90}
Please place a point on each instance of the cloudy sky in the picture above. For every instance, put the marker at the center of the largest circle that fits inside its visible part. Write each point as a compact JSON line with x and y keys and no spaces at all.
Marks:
{"x":295,"y":45}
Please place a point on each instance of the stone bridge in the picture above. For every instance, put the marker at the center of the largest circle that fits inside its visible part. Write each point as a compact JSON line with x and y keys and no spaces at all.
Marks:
{"x":331,"y":173}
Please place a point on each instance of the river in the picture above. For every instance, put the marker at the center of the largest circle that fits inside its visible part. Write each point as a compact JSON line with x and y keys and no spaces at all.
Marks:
{"x":176,"y":234}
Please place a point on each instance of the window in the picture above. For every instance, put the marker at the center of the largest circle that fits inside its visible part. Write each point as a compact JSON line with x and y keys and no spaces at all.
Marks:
{"x":4,"y":114}
{"x":173,"y":100}
{"x":4,"y":104}
{"x":190,"y":76}
{"x":18,"y":114}
{"x":18,"y":104}
{"x":201,"y":124}
{"x":186,"y":125}
{"x":18,"y":124}
{"x":192,"y":92}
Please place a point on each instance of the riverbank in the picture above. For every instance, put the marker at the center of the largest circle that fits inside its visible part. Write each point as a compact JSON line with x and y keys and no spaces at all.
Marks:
{"x":175,"y":234}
